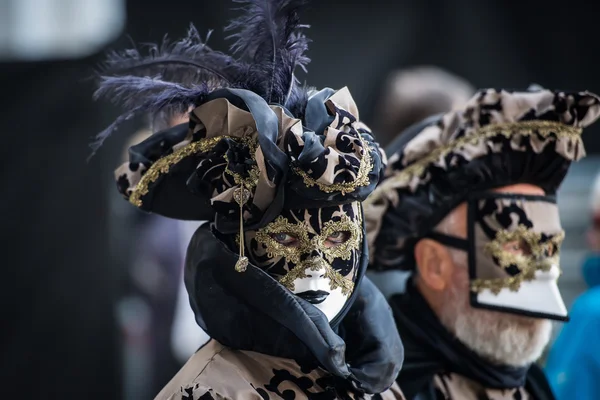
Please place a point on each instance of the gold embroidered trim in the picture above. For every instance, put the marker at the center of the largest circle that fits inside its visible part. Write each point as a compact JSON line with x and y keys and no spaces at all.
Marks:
{"x":241,"y":196}
{"x":305,"y":246}
{"x":274,"y":248}
{"x":512,"y":283}
{"x":362,"y":176}
{"x":537,"y":248}
{"x":524,"y":128}
{"x":252,"y":180}
{"x":300,"y":232}
{"x":342,"y":250}
{"x":164,"y":164}
{"x":336,"y":280}
{"x":541,"y":258}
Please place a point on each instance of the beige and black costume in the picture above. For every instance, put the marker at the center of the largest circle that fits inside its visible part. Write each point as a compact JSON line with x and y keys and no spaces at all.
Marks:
{"x":277,"y":280}
{"x":500,"y":138}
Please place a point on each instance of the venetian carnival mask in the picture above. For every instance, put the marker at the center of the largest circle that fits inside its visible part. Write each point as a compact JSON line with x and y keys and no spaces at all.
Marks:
{"x":513,"y":249}
{"x":315,"y":253}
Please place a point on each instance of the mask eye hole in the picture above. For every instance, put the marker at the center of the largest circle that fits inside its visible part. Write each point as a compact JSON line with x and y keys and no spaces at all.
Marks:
{"x":548,"y":249}
{"x":337,"y":238}
{"x":517,"y":247}
{"x":285,"y":239}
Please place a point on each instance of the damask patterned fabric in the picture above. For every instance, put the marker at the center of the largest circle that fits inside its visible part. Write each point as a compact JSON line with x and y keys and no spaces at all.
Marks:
{"x":500,"y":138}
{"x":280,"y":162}
{"x":217,"y":372}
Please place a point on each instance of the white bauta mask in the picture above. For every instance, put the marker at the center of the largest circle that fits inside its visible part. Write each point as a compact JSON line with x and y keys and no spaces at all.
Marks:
{"x":513,"y":246}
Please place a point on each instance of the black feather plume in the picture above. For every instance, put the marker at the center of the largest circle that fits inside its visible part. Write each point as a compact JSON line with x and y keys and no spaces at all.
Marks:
{"x":184,"y":66}
{"x":267,"y":37}
{"x":169,"y":78}
{"x":186,"y":61}
{"x":296,"y":101}
{"x":145,"y":95}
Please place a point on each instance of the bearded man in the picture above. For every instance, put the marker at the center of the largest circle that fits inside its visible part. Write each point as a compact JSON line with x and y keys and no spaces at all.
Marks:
{"x":468,"y":205}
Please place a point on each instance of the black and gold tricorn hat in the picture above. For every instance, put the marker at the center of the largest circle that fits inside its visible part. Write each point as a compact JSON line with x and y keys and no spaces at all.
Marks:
{"x":256,"y":142}
{"x":499,"y":138}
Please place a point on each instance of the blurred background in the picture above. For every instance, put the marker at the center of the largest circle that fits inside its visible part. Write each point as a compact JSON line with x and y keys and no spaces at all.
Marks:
{"x":92,"y":301}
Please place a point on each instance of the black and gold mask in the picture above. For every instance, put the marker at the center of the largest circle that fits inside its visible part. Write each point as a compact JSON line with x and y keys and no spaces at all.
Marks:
{"x":315,"y":253}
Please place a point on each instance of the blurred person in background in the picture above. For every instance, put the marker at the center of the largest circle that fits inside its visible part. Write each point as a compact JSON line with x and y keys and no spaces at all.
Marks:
{"x":277,"y":279}
{"x":413,"y":94}
{"x":151,"y":311}
{"x":573,"y":365}
{"x":468,"y":206}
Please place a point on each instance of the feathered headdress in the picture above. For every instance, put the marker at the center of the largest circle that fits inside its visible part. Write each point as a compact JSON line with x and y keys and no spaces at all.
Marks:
{"x":256,"y":142}
{"x":174,"y":76}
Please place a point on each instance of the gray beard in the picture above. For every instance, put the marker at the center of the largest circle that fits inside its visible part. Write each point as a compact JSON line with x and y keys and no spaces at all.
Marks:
{"x":501,"y":338}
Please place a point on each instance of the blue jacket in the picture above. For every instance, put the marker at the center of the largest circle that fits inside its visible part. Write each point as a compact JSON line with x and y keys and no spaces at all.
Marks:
{"x":573,"y":366}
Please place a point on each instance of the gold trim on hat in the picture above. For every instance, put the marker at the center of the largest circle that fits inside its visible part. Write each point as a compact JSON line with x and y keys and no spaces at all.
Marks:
{"x":164,"y":164}
{"x":362,"y":176}
{"x":251,"y":180}
{"x":402,"y":177}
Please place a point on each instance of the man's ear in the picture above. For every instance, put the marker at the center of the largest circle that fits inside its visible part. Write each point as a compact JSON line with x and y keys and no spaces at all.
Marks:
{"x":434,"y":263}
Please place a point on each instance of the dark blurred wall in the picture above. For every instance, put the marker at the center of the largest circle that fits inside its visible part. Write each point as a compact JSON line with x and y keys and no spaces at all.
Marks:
{"x":59,"y":335}
{"x":58,"y":332}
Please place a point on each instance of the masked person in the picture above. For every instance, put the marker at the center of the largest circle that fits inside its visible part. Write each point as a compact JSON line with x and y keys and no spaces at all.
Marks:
{"x":277,"y":278}
{"x":468,"y":204}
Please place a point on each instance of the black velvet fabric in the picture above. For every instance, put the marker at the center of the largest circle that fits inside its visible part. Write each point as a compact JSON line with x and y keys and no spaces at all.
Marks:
{"x":170,"y":195}
{"x":431,"y":349}
{"x":252,"y":311}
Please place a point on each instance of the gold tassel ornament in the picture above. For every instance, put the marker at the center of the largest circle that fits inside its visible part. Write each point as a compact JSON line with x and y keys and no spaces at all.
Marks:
{"x":241,"y":195}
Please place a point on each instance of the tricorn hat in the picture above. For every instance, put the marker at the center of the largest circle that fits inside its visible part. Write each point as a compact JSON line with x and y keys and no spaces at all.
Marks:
{"x":500,"y":138}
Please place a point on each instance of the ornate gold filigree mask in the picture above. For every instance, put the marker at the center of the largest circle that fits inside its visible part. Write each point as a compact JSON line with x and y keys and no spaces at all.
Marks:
{"x":520,"y":253}
{"x":514,"y":245}
{"x":315,"y":253}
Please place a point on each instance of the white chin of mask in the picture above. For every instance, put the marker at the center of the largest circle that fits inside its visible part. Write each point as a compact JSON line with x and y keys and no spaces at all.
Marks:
{"x":538,"y":298}
{"x":317,"y":291}
{"x":333,"y":305}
